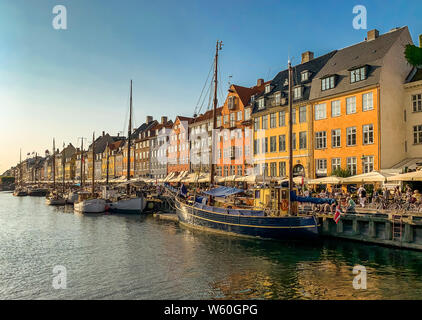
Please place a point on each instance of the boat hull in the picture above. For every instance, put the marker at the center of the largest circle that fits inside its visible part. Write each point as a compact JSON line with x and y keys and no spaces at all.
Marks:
{"x":38,"y":193}
{"x":128,"y":206}
{"x":90,"y":206}
{"x":72,"y":197}
{"x":281,"y":228}
{"x":55,"y":202}
{"x":20,"y":193}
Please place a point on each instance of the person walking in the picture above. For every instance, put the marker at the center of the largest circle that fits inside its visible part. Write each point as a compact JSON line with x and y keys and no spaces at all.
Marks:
{"x":362,"y":196}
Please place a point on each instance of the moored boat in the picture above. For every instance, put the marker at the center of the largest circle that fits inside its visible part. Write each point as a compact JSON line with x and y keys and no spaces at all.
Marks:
{"x":72,"y":197}
{"x":37,"y":192}
{"x":55,"y":200}
{"x":20,"y":192}
{"x":90,"y":206}
{"x":131,"y":205}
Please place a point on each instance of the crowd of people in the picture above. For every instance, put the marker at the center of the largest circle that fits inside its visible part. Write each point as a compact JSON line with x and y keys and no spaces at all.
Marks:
{"x":385,"y":199}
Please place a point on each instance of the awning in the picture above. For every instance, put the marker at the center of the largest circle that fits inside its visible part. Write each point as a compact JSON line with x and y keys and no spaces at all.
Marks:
{"x":327,"y":180}
{"x":223,"y":191}
{"x":374,"y":176}
{"x":410,"y":176}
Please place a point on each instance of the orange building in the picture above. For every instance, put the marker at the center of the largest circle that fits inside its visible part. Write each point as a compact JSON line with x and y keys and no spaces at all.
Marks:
{"x":234,"y":142}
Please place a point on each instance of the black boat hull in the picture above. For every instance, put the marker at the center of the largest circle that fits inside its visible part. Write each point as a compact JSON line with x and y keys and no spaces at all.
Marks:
{"x":281,"y":228}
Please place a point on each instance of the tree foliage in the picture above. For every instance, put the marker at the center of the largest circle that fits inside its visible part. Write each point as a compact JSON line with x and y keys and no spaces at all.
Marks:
{"x":413,"y":55}
{"x":343,"y":173}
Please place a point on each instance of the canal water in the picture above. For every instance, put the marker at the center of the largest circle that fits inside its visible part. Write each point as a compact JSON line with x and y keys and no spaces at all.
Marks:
{"x":139,"y":257}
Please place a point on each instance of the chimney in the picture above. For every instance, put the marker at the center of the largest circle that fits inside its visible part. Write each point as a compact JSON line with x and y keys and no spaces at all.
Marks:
{"x":149,"y":119}
{"x":372,"y":34}
{"x":163,"y":120}
{"x":260,"y":82}
{"x":307,"y":56}
{"x":103,"y":133}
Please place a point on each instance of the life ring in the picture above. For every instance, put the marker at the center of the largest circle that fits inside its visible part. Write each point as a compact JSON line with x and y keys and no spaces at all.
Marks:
{"x":284,"y":205}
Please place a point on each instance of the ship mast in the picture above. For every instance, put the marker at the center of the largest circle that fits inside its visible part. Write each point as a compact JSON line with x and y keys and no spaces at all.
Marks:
{"x":129,"y":140}
{"x":54,"y":164}
{"x":214,"y":112}
{"x":20,"y":167}
{"x":93,"y":164}
{"x":63,"y":166}
{"x":290,"y":136}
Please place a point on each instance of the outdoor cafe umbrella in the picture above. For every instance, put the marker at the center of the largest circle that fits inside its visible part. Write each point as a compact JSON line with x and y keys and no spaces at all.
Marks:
{"x":374,"y":176}
{"x":326,"y":180}
{"x":409,"y":176}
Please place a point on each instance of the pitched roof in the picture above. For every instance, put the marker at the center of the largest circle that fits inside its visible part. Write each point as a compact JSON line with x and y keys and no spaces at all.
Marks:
{"x":279,"y":83}
{"x":245,"y":93}
{"x":207,"y":115}
{"x":365,"y":53}
{"x":414,"y":75}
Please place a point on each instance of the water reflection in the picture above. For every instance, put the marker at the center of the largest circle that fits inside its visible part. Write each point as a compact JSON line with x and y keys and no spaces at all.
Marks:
{"x":138,"y":257}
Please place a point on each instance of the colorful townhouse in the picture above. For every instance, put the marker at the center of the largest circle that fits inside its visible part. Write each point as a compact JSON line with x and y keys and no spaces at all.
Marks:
{"x":234,"y":142}
{"x":270,"y":121}
{"x":158,"y":150}
{"x":178,"y":149}
{"x":357,"y":100}
{"x":142,"y":148}
{"x":200,"y":139}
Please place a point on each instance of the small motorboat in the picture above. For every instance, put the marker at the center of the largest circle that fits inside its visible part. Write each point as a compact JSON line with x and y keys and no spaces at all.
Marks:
{"x":72,"y":197}
{"x":130,"y":205}
{"x":37,"y":192}
{"x":55,"y":200}
{"x":90,"y":206}
{"x":86,"y":205}
{"x":20,"y":193}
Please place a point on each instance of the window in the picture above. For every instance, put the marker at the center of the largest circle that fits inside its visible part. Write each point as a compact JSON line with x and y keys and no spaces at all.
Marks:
{"x":264,"y":145}
{"x":282,"y":169}
{"x":302,"y":140}
{"x":232,"y":102}
{"x":321,"y":166}
{"x":267,"y":88}
{"x":336,"y":138}
{"x":321,"y":140}
{"x":368,"y":134}
{"x":327,"y":83}
{"x":239,"y":115}
{"x":297,"y":93}
{"x":367,"y":102}
{"x":282,"y":142}
{"x":265,"y":122}
{"x":282,"y":118}
{"x":320,"y":111}
{"x":352,"y":165}
{"x":247,"y":114}
{"x":255,"y":146}
{"x":277,"y":98}
{"x":368,"y":164}
{"x":351,"y":136}
{"x":358,"y":75}
{"x":226,"y":171}
{"x":294,"y":141}
{"x":335,"y":108}
{"x":293,"y":115}
{"x":265,"y":169}
{"x":232,"y":119}
{"x":351,"y":105}
{"x":335,"y":164}
{"x":273,"y":144}
{"x":232,"y":170}
{"x":273,"y":120}
{"x":417,"y":134}
{"x":273,"y":169}
{"x":417,"y":102}
{"x":302,"y":114}
{"x":261,"y":103}
{"x":304,"y":76}
{"x":256,"y":124}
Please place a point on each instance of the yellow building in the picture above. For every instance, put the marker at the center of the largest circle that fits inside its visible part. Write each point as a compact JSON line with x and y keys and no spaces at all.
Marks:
{"x":270,"y":119}
{"x":357,"y":100}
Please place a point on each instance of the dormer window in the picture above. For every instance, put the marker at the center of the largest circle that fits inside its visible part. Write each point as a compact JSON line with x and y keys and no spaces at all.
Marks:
{"x":358,"y":74}
{"x":252,"y":98}
{"x":286,"y":82}
{"x":297,"y":93}
{"x":277,"y":98}
{"x":304,"y":76}
{"x":328,"y":83}
{"x":267,"y":88}
{"x":261,"y":103}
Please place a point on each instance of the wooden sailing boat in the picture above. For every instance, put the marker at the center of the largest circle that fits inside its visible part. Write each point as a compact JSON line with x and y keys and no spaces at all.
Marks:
{"x":130,"y":204}
{"x":277,"y":223}
{"x":91,"y":204}
{"x":55,"y":199}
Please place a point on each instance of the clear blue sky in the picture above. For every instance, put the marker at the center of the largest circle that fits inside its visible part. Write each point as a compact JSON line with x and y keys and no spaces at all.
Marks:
{"x":72,"y":82}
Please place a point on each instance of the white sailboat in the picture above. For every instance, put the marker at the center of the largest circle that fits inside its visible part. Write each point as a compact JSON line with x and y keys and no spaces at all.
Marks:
{"x":129,"y":204}
{"x":86,"y":204}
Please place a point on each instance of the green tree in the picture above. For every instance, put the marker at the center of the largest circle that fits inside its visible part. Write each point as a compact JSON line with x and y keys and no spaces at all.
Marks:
{"x":413,"y":54}
{"x":343,"y":173}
